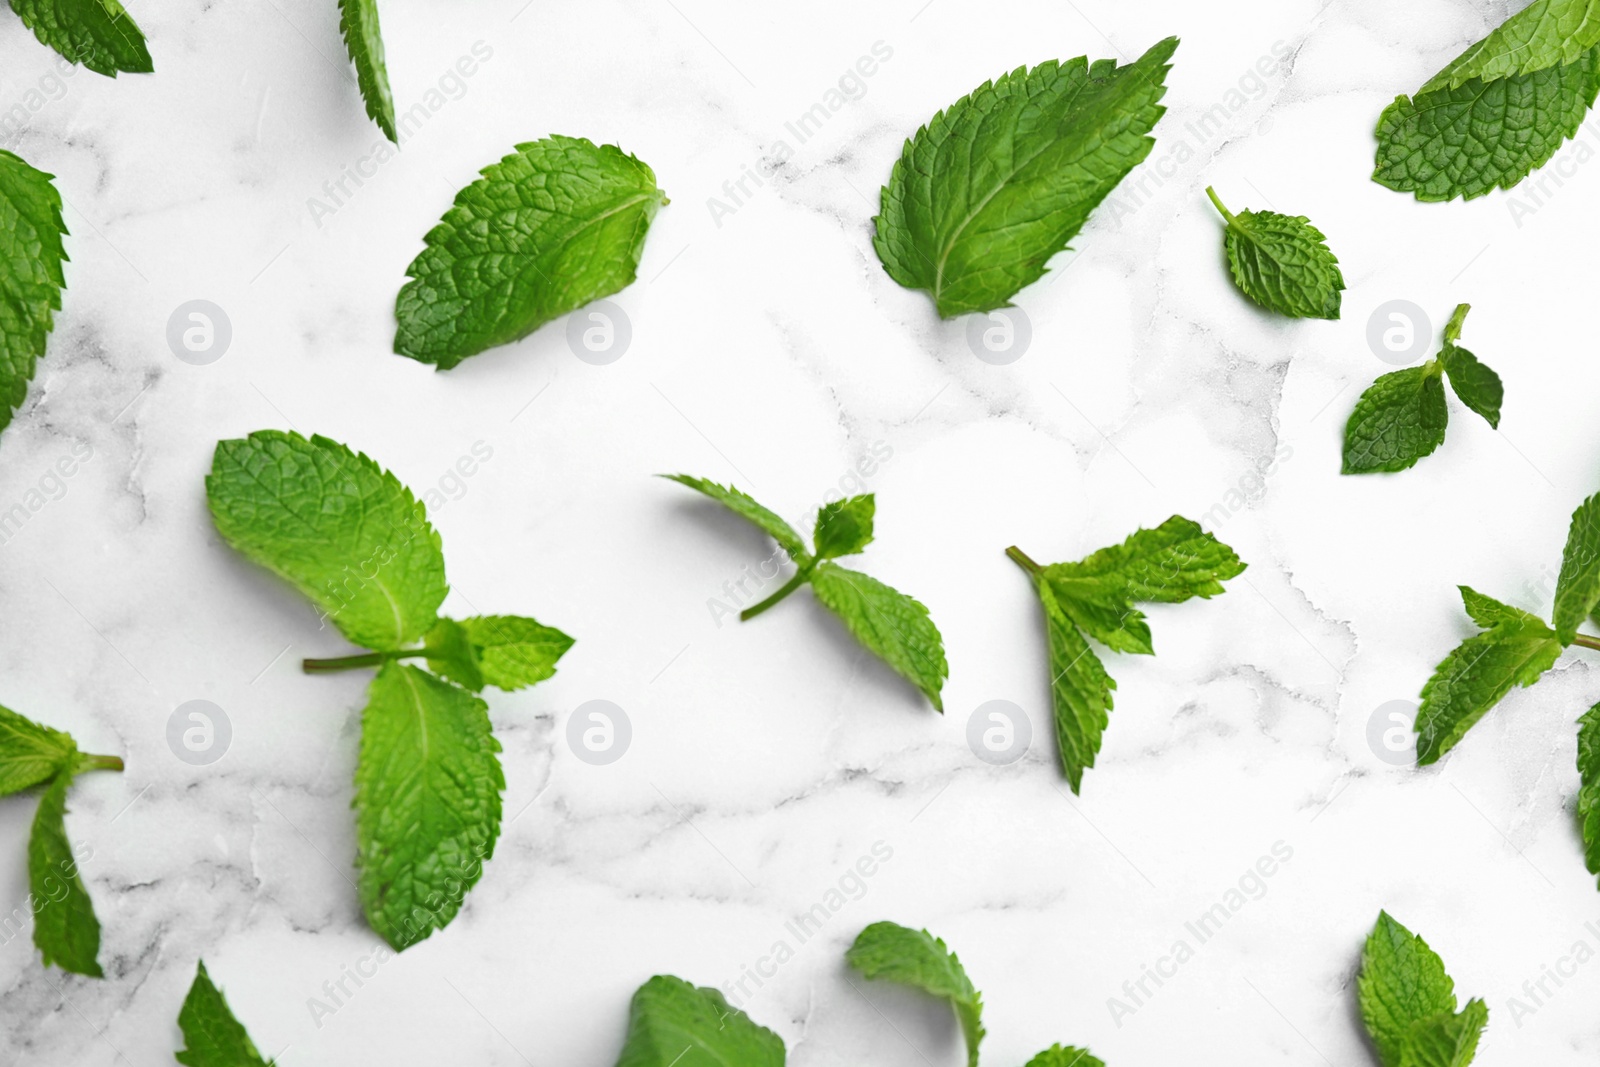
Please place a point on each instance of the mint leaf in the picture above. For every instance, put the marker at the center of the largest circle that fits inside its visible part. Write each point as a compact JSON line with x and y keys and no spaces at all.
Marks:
{"x":1446,"y":1039}
{"x":741,"y":504}
{"x":1478,"y":674}
{"x":844,"y":527}
{"x":342,"y":529}
{"x":1168,"y":565}
{"x":214,"y":1038}
{"x":1057,"y":1056}
{"x":1398,"y":420}
{"x":514,"y":652}
{"x":96,"y":33}
{"x":1589,"y":790}
{"x":1099,"y":606}
{"x":549,"y":228}
{"x":1546,"y":33}
{"x":451,"y":654}
{"x":918,"y":959}
{"x":358,"y":22}
{"x":1578,"y":585}
{"x":64,"y":926}
{"x":1281,"y":262}
{"x":674,"y":1024}
{"x":31,"y":278}
{"x":30,"y":753}
{"x":893,"y":626}
{"x":1482,"y":135}
{"x":1489,"y":613}
{"x":998,"y":183}
{"x":428,"y":788}
{"x":1403,"y":984}
{"x":1080,"y":690}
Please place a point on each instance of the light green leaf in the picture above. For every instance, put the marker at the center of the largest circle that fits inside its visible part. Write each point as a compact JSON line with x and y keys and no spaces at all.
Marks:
{"x":918,"y":959}
{"x":1481,"y":136}
{"x":1282,"y":262}
{"x":342,"y":529}
{"x":1578,"y":585}
{"x":1589,"y":790}
{"x":998,"y":183}
{"x":674,"y":1024}
{"x":31,"y":276}
{"x":844,"y":527}
{"x":1546,"y":33}
{"x":514,"y":652}
{"x":428,"y":791}
{"x":1080,"y":690}
{"x":1058,"y":1056}
{"x":214,"y":1038}
{"x":743,"y":505}
{"x":452,"y":655}
{"x":358,"y":22}
{"x":1445,"y":1039}
{"x":1478,"y":674}
{"x":1478,"y":387}
{"x":1402,"y":981}
{"x":1398,"y":420}
{"x":553,"y":226}
{"x":1099,"y":606}
{"x":31,"y":753}
{"x":893,"y":626}
{"x":99,"y":34}
{"x":64,"y":926}
{"x":1169,"y":564}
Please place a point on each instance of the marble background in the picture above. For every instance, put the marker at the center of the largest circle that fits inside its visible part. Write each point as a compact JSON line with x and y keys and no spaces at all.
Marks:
{"x":769,"y":348}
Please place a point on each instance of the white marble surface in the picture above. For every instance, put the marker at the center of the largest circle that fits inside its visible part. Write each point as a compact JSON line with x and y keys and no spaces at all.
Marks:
{"x":772,"y":350}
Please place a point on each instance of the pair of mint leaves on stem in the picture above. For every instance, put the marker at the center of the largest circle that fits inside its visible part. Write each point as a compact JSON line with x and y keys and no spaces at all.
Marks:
{"x":1499,"y":110}
{"x":99,"y":34}
{"x":354,"y":540}
{"x":64,"y":925}
{"x":1408,"y":1002}
{"x":1095,"y":597}
{"x":894,"y":627}
{"x":1402,"y":416}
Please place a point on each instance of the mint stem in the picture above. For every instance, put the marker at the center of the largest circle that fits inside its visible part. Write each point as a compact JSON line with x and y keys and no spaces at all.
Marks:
{"x":1020,"y":558}
{"x":799,"y":579}
{"x":1452,"y":329}
{"x":1212,"y":193}
{"x":99,"y":763}
{"x":1585,"y":641}
{"x":351,"y":663}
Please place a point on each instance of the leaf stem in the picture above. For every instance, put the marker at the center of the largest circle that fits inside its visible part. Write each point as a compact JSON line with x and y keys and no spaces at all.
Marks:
{"x":87,"y":762}
{"x":1217,"y":203}
{"x":1452,"y":329}
{"x":1585,"y":641}
{"x":1020,"y":558}
{"x":351,"y":663}
{"x":800,"y":578}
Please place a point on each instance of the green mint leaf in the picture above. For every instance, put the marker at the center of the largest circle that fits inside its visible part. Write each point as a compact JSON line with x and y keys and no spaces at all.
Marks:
{"x":674,"y":1024}
{"x":1058,"y":1056}
{"x":1398,"y":420}
{"x":844,"y":527}
{"x":1445,"y":1039}
{"x":1099,"y":607}
{"x":1281,"y":262}
{"x":1488,"y":612}
{"x":1578,"y":585}
{"x":342,"y":529}
{"x":1474,"y":382}
{"x":96,"y":33}
{"x":1479,"y":673}
{"x":918,"y":959}
{"x":893,"y":626}
{"x":31,"y":753}
{"x":514,"y":652}
{"x":1402,"y":982}
{"x":31,"y":277}
{"x":64,"y":926}
{"x":1546,"y":33}
{"x":1080,"y":690}
{"x":556,"y":224}
{"x":1169,"y":564}
{"x":428,"y":790}
{"x":742,"y":505}
{"x":452,"y":654}
{"x":358,"y":22}
{"x":214,"y":1038}
{"x":1589,"y":791}
{"x":998,"y":183}
{"x":1482,"y":135}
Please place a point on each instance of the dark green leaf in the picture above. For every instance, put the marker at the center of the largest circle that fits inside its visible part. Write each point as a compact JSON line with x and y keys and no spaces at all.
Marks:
{"x":64,"y":924}
{"x":1398,"y":420}
{"x":214,"y":1038}
{"x":1578,"y":585}
{"x":1478,"y":387}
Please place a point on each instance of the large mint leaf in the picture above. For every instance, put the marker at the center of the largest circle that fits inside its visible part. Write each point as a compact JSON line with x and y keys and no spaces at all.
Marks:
{"x":338,"y":526}
{"x":999,"y":182}
{"x":674,"y":1024}
{"x":31,"y":277}
{"x":1546,"y":33}
{"x":552,"y":226}
{"x":916,"y":958}
{"x":363,"y":39}
{"x":1402,"y":981}
{"x":100,"y":34}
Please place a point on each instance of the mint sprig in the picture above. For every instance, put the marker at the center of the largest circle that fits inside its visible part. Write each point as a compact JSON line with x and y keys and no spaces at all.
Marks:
{"x":358,"y":543}
{"x":212,"y":1035}
{"x":1402,"y":416}
{"x":1281,"y":262}
{"x":99,"y":34}
{"x":64,"y":925}
{"x":1408,"y":1002}
{"x":31,"y":275}
{"x":999,"y":182}
{"x":894,"y":627}
{"x":1095,"y":597}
